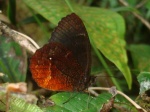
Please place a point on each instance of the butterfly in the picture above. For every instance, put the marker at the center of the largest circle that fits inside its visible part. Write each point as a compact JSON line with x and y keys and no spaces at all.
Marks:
{"x":63,"y":64}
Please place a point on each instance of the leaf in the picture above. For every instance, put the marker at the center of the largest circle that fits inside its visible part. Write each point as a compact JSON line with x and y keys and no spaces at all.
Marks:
{"x":106,"y":28}
{"x":144,"y":80}
{"x":76,"y":102}
{"x":17,"y":104}
{"x":12,"y":61}
{"x":108,"y":38}
{"x":81,"y":102}
{"x":141,"y":56}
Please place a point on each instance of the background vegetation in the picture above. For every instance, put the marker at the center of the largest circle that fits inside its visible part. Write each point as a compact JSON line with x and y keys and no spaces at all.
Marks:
{"x":119,"y":32}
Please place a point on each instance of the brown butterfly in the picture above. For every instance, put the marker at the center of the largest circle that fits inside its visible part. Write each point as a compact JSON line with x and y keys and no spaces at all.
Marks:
{"x":63,"y":64}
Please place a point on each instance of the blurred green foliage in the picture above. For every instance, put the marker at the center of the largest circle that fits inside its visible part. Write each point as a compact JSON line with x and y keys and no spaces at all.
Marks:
{"x":10,"y":61}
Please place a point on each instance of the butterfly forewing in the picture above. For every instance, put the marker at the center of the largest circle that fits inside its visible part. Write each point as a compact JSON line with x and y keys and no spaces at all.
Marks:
{"x":72,"y":33}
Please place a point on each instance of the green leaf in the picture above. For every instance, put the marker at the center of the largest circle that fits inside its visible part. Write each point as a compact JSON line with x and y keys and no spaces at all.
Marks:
{"x":140,"y":56}
{"x":106,"y":28}
{"x":75,"y":102}
{"x":12,"y":63}
{"x":144,"y":80}
{"x":17,"y":104}
{"x":107,"y":35}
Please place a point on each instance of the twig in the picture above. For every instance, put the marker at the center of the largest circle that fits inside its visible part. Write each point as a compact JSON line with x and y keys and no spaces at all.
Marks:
{"x":24,"y":41}
{"x":141,"y":3}
{"x":145,"y":22}
{"x":28,"y":38}
{"x":123,"y":2}
{"x":91,"y":89}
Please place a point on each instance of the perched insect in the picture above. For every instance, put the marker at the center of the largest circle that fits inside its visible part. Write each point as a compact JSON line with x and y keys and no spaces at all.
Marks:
{"x":64,"y":63}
